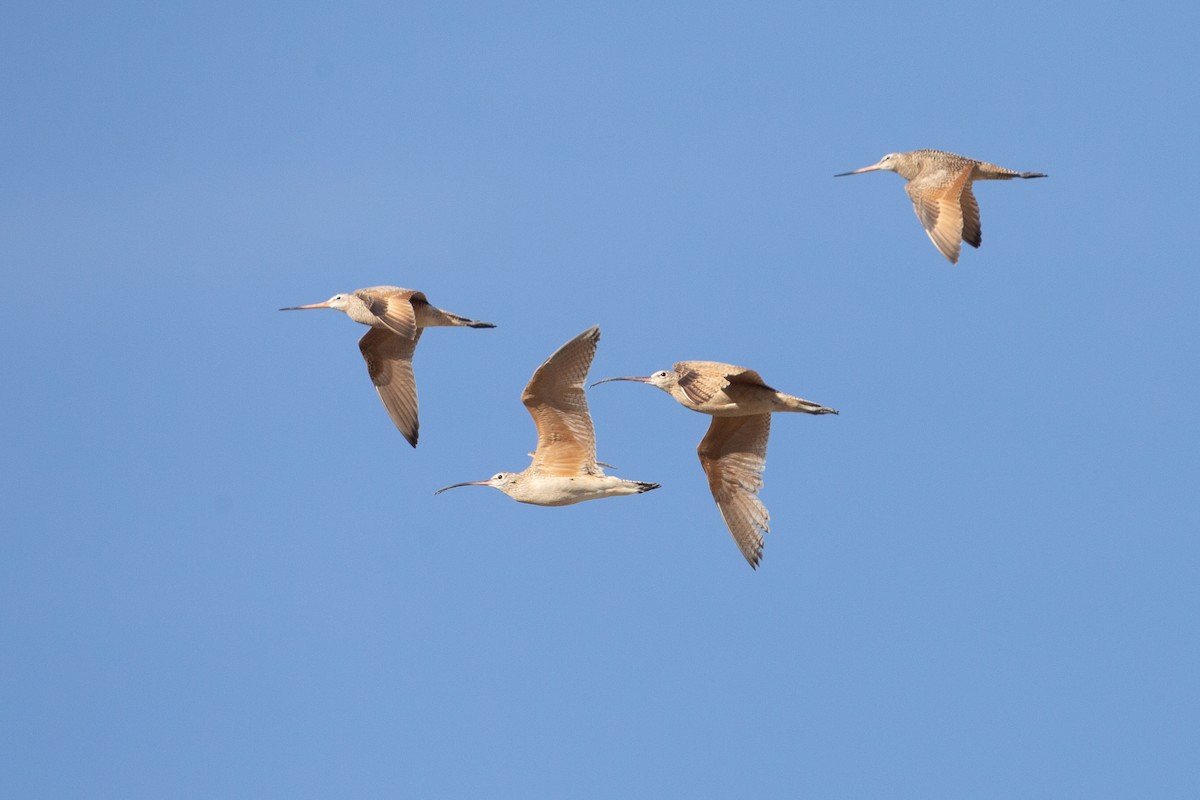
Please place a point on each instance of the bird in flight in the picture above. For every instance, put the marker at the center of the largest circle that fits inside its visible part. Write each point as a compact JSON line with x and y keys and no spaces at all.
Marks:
{"x":939,"y":185}
{"x":564,"y":469}
{"x":396,"y":317}
{"x":734,"y":451}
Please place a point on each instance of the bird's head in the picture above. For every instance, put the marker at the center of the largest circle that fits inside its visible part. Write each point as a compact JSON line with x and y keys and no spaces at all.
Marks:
{"x":339,"y":302}
{"x":504,"y":481}
{"x":890,"y":163}
{"x":664,"y":379}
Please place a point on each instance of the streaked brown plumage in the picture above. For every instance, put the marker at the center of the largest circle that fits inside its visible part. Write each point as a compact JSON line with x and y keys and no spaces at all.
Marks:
{"x":734,"y":451}
{"x":564,"y":469}
{"x":396,"y":316}
{"x":939,"y":185}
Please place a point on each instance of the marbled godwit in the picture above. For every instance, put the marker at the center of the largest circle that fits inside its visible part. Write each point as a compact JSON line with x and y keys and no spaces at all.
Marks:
{"x":564,"y":468}
{"x":939,"y":185}
{"x":397,"y":317}
{"x":734,"y":451}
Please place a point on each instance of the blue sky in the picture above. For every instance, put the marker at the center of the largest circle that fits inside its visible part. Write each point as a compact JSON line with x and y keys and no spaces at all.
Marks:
{"x":225,"y":574}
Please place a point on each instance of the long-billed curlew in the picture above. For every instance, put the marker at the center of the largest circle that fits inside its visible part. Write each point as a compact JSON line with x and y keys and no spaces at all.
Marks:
{"x":564,"y":468}
{"x":734,"y":451}
{"x":397,"y":317}
{"x":939,"y":185}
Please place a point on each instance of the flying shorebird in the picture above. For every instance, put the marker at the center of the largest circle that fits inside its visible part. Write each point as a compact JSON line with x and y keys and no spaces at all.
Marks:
{"x":397,"y":317}
{"x":939,"y":185}
{"x":564,"y":468}
{"x":734,"y":451}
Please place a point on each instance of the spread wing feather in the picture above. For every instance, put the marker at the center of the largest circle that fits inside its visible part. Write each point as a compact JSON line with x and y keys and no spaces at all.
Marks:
{"x":734,"y":454}
{"x":389,"y":363}
{"x":936,"y":200}
{"x":972,"y":231}
{"x":556,"y":400}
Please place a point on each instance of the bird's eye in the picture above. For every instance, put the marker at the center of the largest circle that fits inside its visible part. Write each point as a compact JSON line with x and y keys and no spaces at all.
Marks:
{"x":498,"y":476}
{"x":661,"y":374}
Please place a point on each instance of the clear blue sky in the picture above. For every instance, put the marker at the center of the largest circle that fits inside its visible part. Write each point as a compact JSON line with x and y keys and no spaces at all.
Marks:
{"x":224,"y":573}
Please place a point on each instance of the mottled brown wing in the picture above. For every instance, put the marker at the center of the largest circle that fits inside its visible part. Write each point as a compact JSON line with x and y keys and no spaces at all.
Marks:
{"x":700,"y":380}
{"x":394,"y":307}
{"x":734,"y":454}
{"x":972,"y":232}
{"x":746,"y":377}
{"x":937,"y":200}
{"x":389,"y":363}
{"x":556,"y":401}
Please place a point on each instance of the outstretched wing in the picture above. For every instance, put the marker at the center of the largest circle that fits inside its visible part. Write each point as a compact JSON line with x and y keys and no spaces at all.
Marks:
{"x":556,"y":401}
{"x":389,"y":363}
{"x":972,"y":232}
{"x":937,"y":200}
{"x":734,"y":454}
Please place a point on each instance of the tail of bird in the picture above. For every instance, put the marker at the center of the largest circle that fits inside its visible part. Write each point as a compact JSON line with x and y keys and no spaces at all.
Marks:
{"x":791,"y":403}
{"x":992,"y":172}
{"x":469,"y":323}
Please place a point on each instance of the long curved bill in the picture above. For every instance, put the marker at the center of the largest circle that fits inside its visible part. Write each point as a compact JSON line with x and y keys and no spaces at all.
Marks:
{"x":606,"y":380}
{"x":468,"y":483}
{"x":871,"y":168}
{"x":311,"y":305}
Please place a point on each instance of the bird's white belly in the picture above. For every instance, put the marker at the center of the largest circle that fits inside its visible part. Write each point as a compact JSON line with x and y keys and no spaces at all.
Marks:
{"x":729,"y":408}
{"x":560,"y":491}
